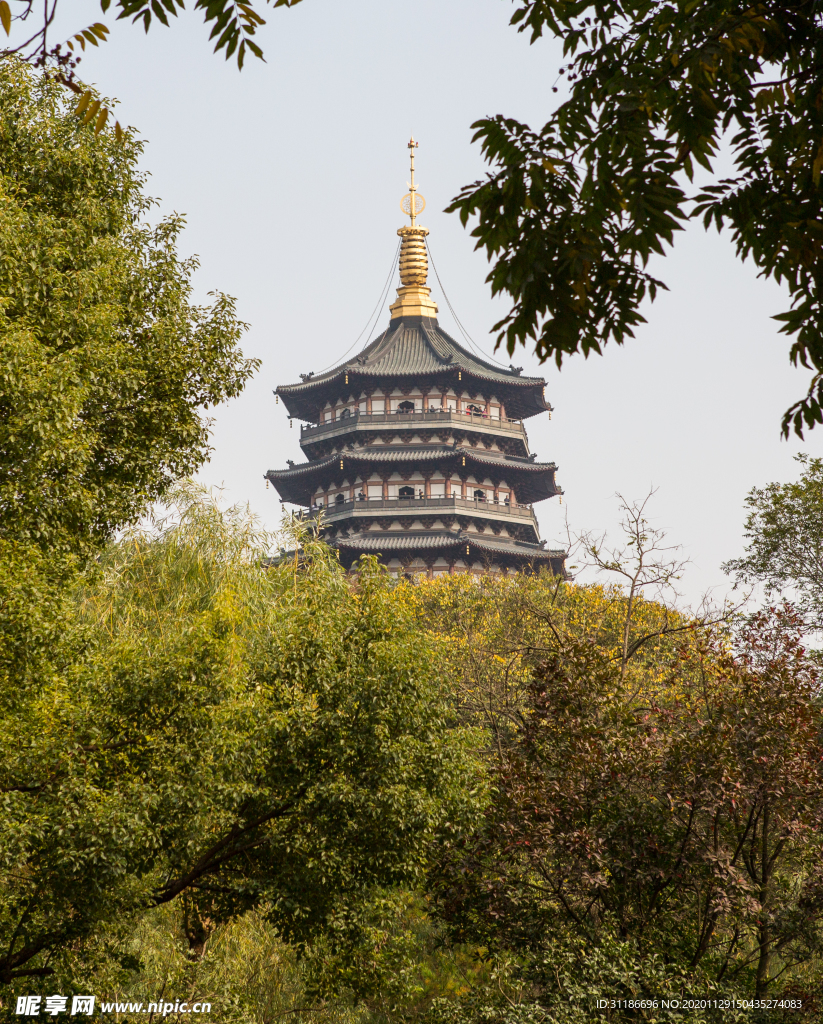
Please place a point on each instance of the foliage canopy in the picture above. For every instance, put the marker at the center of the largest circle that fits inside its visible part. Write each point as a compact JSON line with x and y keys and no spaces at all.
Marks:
{"x":106,"y":362}
{"x":675,"y":829}
{"x":572,"y":212}
{"x":204,"y":725}
{"x":784,"y":534}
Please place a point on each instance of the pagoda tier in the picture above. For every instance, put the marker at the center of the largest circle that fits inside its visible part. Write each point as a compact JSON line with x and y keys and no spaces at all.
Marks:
{"x":415,"y":352}
{"x":416,"y":447}
{"x":354,"y":471}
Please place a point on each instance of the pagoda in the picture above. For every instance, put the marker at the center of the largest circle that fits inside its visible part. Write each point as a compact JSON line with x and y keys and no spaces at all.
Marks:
{"x":417,"y":450}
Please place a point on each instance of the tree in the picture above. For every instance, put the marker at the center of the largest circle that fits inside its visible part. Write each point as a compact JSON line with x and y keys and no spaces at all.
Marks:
{"x":106,"y":362}
{"x":784,"y":534}
{"x":497,"y":627}
{"x":684,"y":824}
{"x":207,"y":726}
{"x":233,"y":26}
{"x":573,"y":211}
{"x":644,"y":561}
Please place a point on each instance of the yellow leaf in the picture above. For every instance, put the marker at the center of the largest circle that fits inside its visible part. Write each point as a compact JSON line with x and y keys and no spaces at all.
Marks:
{"x":5,"y":16}
{"x":84,"y":101}
{"x":101,"y":120}
{"x":91,"y":113}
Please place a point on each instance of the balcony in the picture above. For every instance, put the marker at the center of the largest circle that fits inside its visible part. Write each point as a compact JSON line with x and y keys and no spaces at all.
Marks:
{"x":368,"y":507}
{"x":377,"y":421}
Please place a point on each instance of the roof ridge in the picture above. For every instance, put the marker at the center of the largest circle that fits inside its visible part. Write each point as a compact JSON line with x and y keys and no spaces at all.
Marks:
{"x":447,"y":359}
{"x":382,"y":346}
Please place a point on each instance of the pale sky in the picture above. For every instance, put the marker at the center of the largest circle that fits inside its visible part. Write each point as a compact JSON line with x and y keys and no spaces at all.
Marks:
{"x":290,"y":174}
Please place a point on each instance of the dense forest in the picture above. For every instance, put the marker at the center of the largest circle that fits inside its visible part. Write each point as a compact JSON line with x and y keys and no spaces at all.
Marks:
{"x":233,"y":774}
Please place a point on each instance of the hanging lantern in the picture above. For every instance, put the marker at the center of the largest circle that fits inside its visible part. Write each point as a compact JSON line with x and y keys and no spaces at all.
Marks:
{"x":341,"y":463}
{"x":460,"y":375}
{"x":291,"y":424}
{"x":277,"y":399}
{"x":464,"y":460}
{"x":347,"y":378}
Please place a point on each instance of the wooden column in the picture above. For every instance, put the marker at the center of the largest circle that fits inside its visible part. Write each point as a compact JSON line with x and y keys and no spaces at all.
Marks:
{"x":425,"y":403}
{"x":368,"y":405}
{"x":385,"y":487}
{"x":427,"y":487}
{"x":463,"y":488}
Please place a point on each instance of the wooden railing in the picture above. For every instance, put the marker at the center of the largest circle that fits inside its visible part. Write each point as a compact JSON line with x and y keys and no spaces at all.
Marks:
{"x":451,"y":416}
{"x":421,"y":505}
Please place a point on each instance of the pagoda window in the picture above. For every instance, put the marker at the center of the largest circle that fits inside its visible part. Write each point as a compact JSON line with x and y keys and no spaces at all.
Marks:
{"x":339,"y":499}
{"x":345,"y":414}
{"x":405,"y":492}
{"x":479,"y":495}
{"x":405,"y":407}
{"x":378,"y":405}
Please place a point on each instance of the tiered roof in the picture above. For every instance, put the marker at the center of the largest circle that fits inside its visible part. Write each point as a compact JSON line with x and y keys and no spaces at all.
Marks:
{"x":297,"y":483}
{"x":417,"y":348}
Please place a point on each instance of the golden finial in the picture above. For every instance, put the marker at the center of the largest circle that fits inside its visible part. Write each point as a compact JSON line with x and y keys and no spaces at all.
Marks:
{"x":412,"y":202}
{"x":413,"y":297}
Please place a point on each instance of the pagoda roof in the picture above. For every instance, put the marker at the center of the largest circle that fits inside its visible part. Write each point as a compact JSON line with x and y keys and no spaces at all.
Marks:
{"x":408,"y":543}
{"x":293,"y":484}
{"x":416,"y":346}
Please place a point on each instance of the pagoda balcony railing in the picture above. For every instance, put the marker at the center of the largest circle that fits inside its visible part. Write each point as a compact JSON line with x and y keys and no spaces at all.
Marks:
{"x":449,"y":416}
{"x":420,"y":506}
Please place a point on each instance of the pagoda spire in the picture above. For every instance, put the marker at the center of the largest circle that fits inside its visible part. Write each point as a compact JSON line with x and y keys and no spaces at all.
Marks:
{"x":413,"y":296}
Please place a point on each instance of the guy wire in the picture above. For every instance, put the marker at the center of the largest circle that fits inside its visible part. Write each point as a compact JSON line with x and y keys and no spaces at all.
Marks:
{"x":377,"y":310}
{"x":460,"y":326}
